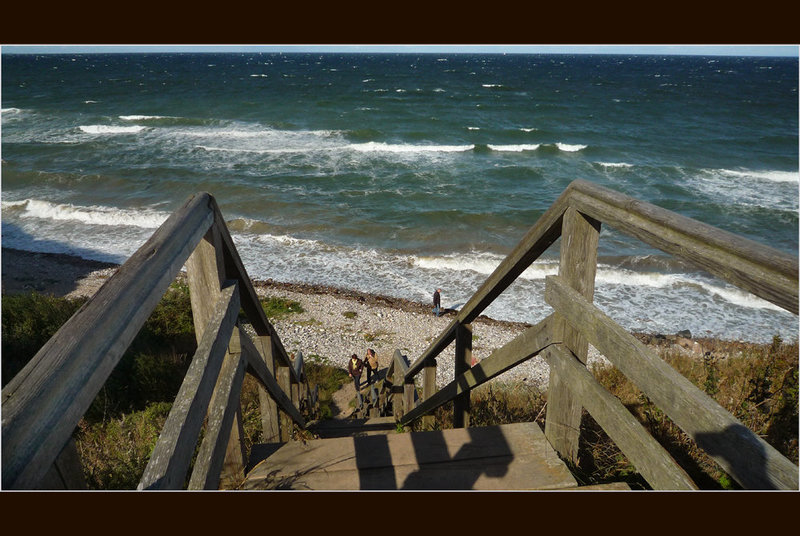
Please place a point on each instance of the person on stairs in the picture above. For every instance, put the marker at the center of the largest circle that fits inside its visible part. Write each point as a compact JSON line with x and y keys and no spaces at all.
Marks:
{"x":354,"y":367}
{"x":371,"y":364}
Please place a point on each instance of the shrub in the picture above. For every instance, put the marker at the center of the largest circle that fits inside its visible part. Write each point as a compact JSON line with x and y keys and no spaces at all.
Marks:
{"x":29,"y":321}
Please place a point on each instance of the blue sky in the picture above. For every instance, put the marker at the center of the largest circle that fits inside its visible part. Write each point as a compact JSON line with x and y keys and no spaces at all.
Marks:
{"x":710,"y":50}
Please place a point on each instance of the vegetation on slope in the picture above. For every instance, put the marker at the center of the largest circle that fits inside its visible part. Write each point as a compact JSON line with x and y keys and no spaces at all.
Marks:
{"x":757,"y":383}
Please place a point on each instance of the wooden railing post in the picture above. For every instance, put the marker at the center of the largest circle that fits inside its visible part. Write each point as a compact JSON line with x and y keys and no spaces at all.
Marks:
{"x":579,"y":238}
{"x":270,"y":419}
{"x":428,"y":389}
{"x":235,"y":456}
{"x":463,"y":360}
{"x":205,"y":275}
{"x":283,"y":375}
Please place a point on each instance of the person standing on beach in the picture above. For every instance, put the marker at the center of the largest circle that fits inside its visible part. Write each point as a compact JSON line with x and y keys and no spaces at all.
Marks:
{"x":371,"y":363}
{"x":437,"y":301}
{"x":354,"y":367}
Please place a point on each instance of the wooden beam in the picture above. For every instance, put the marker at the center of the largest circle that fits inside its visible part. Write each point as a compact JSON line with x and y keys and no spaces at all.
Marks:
{"x":176,"y":445}
{"x":753,"y":462}
{"x":259,"y":370}
{"x":222,"y":411}
{"x":766,"y":272}
{"x":270,"y":424}
{"x":462,"y":363}
{"x":645,"y":453}
{"x":428,"y":388}
{"x":44,"y":402}
{"x":578,"y":266}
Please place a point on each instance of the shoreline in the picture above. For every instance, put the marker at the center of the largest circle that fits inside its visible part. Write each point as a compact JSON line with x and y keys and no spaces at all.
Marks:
{"x":336,"y":322}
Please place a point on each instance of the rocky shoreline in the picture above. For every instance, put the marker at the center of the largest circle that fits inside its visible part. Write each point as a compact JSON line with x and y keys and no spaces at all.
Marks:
{"x":334,"y":324}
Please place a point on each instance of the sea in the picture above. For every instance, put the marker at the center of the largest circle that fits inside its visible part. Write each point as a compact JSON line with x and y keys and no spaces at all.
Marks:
{"x":396,"y":174}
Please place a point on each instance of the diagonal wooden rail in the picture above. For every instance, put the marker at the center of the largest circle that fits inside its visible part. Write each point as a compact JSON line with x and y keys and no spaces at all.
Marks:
{"x":563,"y":338}
{"x":42,"y":405}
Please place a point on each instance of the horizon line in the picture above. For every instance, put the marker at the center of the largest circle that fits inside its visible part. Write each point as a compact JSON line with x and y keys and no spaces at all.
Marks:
{"x":658,"y":50}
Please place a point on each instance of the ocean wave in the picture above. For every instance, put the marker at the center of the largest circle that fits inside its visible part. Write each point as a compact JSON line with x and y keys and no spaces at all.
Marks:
{"x":607,"y":276}
{"x":515,"y":148}
{"x":614,"y":164}
{"x":766,"y":175}
{"x":93,"y":215}
{"x":144,"y":117}
{"x":110,"y":129}
{"x":569,"y":148}
{"x":380,"y":147}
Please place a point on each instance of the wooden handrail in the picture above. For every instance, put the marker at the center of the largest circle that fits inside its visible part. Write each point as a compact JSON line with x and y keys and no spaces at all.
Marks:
{"x":42,"y":405}
{"x":766,"y":272}
{"x":44,"y":402}
{"x":581,"y":208}
{"x":749,"y":459}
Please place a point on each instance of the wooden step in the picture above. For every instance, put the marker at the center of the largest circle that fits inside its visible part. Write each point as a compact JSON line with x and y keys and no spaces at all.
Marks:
{"x":505,"y":457}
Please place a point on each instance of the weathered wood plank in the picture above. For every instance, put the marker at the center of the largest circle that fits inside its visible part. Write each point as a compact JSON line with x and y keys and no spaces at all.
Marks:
{"x":506,"y":457}
{"x":645,"y":453}
{"x":66,"y":472}
{"x":463,"y":360}
{"x":578,"y":266}
{"x":270,"y":424}
{"x":262,"y":374}
{"x":766,"y":272}
{"x":222,"y":411}
{"x":205,"y":274}
{"x":428,"y":389}
{"x":44,"y":402}
{"x":526,"y":345}
{"x":753,"y":462}
{"x":397,"y":372}
{"x":173,"y":452}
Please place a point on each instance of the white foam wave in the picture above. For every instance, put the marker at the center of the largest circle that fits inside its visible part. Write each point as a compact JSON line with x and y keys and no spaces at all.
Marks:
{"x":93,"y":215}
{"x":109,"y":129}
{"x":380,"y":147}
{"x":143,"y":117}
{"x":614,"y":164}
{"x":515,"y":148}
{"x":570,"y":148}
{"x":531,"y":129}
{"x":486,"y":263}
{"x":771,"y":176}
{"x":11,"y":111}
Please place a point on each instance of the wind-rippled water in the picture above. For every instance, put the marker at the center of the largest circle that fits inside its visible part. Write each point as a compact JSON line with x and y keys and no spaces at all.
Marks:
{"x":397,"y":174}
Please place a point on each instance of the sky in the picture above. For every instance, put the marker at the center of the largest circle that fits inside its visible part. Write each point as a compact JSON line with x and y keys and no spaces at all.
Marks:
{"x":707,"y":50}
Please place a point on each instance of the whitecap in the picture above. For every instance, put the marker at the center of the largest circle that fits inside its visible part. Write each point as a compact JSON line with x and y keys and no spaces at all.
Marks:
{"x":515,"y":148}
{"x":110,"y":129}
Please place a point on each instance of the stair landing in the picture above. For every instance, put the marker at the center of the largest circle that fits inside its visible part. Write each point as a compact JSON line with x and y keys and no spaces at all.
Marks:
{"x":505,"y":457}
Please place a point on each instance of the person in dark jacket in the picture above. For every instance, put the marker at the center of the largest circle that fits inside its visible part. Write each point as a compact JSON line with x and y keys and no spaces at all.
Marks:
{"x":354,"y":367}
{"x":437,"y":301}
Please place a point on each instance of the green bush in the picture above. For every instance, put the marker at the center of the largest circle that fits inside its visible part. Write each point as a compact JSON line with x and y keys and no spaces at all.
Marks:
{"x":115,"y":453}
{"x":29,"y":321}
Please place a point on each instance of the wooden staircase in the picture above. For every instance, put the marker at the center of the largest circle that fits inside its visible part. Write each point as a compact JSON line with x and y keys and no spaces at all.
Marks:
{"x":201,"y":444}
